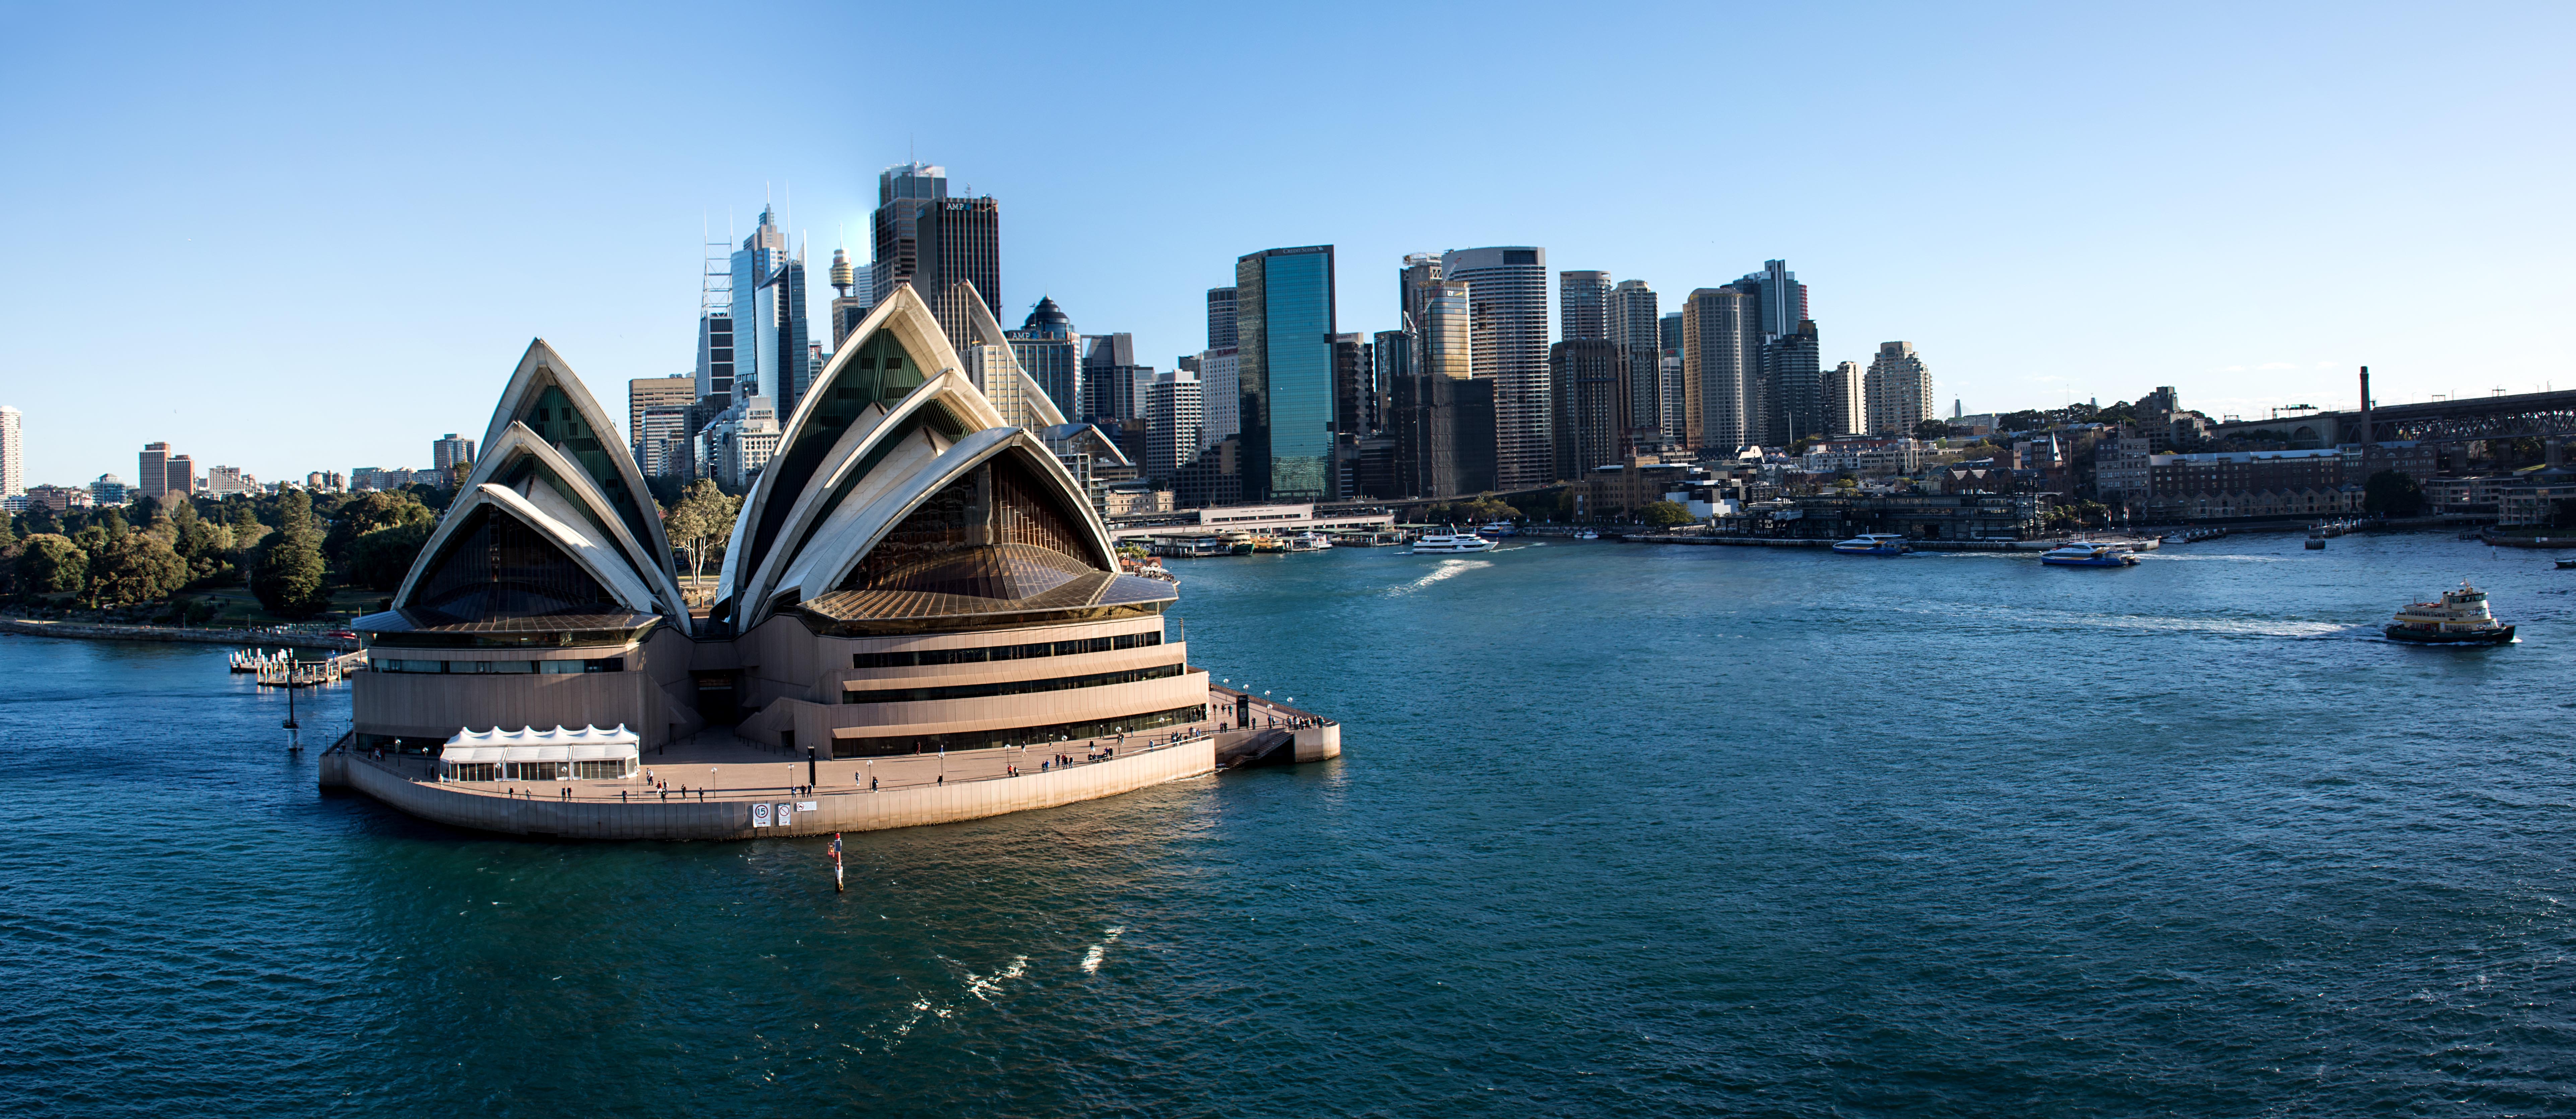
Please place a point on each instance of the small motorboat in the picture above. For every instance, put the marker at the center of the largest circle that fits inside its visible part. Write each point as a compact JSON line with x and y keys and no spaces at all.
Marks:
{"x":2085,"y":553}
{"x":1587,"y":534}
{"x":2566,"y":564}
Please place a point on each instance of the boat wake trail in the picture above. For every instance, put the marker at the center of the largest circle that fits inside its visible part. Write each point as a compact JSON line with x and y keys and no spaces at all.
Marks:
{"x":1447,"y":569}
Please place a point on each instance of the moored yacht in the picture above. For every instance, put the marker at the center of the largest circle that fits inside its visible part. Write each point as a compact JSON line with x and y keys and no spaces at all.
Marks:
{"x":2460,"y":618}
{"x":1873,"y":544}
{"x":2084,"y":553}
{"x":1452,"y":542}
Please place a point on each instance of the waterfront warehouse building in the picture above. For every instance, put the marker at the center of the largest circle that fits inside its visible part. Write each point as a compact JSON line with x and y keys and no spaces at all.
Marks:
{"x":912,"y":571}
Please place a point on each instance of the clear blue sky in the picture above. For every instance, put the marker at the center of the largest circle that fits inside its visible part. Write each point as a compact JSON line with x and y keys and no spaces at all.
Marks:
{"x":295,"y":239}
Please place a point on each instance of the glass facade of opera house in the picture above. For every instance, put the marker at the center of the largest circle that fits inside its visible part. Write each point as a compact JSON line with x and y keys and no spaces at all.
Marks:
{"x":912,"y":572}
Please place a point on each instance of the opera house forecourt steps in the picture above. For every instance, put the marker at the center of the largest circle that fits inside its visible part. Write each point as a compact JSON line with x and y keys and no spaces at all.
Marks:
{"x":914,"y":579}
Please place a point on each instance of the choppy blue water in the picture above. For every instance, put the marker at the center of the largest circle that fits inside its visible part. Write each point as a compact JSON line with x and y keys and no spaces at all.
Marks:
{"x":1622,"y":830}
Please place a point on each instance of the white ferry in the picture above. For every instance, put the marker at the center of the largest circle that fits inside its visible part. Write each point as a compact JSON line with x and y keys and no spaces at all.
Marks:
{"x":1500,"y":528}
{"x":1874,"y":544}
{"x":2461,"y":618}
{"x":2084,"y":553}
{"x":1309,"y":542}
{"x":1446,"y":543}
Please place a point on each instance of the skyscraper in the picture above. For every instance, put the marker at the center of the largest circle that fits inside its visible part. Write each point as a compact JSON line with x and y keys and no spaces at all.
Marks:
{"x":151,"y":468}
{"x":1392,"y":352}
{"x":762,"y":302}
{"x":1356,"y":396}
{"x":855,"y":295}
{"x":1175,"y":422}
{"x":450,"y":451}
{"x":1899,"y":390}
{"x":1846,"y":400}
{"x":1048,"y":349}
{"x":179,"y":475}
{"x":1442,"y":431}
{"x":1721,"y":369}
{"x":1793,"y":386}
{"x":1676,"y":401}
{"x":1444,"y":345}
{"x":1221,"y":375}
{"x":1631,"y":324}
{"x":715,"y":355}
{"x":948,"y":249}
{"x":1583,"y":305}
{"x":786,"y":356}
{"x":1784,"y":299}
{"x":1589,"y":395}
{"x":13,"y":454}
{"x":1507,"y":339}
{"x":1220,"y":307}
{"x":1111,"y":378}
{"x":645,"y":393}
{"x":1414,"y":284}
{"x":1435,"y":314}
{"x":662,"y":440}
{"x":1284,"y":323}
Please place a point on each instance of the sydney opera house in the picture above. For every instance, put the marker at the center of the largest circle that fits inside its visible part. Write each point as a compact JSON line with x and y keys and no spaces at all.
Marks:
{"x":913,"y":573}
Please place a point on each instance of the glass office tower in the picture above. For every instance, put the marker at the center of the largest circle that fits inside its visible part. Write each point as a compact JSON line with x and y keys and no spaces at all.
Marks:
{"x":1284,"y":329}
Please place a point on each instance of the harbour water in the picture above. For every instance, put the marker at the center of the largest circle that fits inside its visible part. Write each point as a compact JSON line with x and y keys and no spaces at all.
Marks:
{"x":1621,"y":830}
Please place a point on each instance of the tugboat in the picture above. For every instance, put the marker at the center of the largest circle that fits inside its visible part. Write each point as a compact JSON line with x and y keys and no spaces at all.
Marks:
{"x":1873,"y":544}
{"x":2082,"y":553}
{"x":2461,"y":618}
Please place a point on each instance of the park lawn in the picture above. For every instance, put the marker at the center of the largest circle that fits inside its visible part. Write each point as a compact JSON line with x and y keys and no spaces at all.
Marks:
{"x":241,"y":608}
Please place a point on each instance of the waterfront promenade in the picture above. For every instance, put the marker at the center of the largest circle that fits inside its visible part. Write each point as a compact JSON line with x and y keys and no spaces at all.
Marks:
{"x":706,"y":786}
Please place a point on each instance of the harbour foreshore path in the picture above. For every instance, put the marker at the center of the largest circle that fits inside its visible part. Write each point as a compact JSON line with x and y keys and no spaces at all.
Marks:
{"x":715,"y":765}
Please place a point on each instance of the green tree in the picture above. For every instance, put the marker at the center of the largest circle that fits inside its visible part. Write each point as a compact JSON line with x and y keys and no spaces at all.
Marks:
{"x":1665,"y":513}
{"x":246,"y":525}
{"x":380,"y":559}
{"x":8,"y":530}
{"x":138,"y":568}
{"x":701,"y":521}
{"x":50,"y":564}
{"x":367,"y":513}
{"x":288,"y":576}
{"x":1932,"y":429}
{"x":2392,"y":493}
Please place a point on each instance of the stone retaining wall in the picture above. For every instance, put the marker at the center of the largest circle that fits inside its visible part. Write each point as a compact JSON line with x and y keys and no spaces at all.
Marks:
{"x":911,"y":806}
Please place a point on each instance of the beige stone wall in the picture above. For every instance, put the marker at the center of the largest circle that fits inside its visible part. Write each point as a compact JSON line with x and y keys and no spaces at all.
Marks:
{"x":425,"y":705}
{"x":731,"y":819}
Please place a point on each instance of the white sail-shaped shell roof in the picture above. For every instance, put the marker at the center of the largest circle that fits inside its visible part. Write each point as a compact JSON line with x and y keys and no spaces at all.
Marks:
{"x":833,"y":492}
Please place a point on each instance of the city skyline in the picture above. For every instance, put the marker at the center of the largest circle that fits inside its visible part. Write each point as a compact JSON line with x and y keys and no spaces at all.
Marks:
{"x":2017,"y":240}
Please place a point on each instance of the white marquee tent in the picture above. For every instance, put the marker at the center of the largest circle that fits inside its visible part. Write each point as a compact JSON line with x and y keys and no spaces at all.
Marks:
{"x":529,"y":754}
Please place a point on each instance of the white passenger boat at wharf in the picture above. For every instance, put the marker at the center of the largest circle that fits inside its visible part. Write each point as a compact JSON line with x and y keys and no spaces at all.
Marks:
{"x":2085,"y":553}
{"x":1446,"y":543}
{"x":1874,"y":544}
